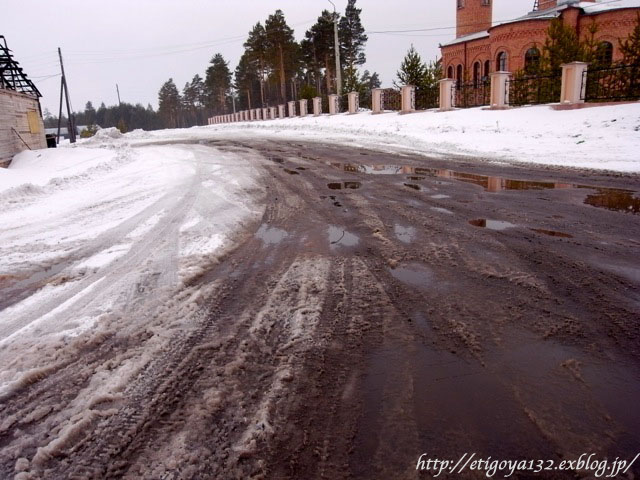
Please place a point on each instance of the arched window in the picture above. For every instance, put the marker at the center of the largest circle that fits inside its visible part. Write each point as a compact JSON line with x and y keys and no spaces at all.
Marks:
{"x":487,"y":69}
{"x":501,"y":62}
{"x":604,"y":54}
{"x":531,"y":60}
{"x":459,"y":75}
{"x":476,"y":74}
{"x":450,"y":71}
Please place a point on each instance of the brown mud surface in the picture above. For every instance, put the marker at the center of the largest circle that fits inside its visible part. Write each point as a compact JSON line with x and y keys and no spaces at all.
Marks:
{"x":384,"y":307}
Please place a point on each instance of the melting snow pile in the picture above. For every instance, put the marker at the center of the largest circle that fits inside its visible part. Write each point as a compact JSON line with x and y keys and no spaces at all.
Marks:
{"x":93,"y":231}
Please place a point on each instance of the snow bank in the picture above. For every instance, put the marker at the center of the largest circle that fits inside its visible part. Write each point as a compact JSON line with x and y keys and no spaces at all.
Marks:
{"x":602,"y":137}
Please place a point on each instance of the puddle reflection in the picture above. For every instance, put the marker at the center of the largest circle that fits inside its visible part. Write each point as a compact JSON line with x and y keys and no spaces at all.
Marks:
{"x":491,"y":224}
{"x":609,"y":198}
{"x":344,"y":185}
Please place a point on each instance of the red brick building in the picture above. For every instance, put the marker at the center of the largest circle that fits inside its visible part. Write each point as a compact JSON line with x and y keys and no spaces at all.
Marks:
{"x":480,"y":49}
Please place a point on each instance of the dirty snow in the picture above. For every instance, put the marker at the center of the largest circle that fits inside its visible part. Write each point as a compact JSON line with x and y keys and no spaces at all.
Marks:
{"x":88,"y":229}
{"x":602,"y":137}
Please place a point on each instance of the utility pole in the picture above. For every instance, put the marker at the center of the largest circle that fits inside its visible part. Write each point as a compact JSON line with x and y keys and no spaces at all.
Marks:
{"x":118,"y":90}
{"x":72,"y":127}
{"x":337,"y":45}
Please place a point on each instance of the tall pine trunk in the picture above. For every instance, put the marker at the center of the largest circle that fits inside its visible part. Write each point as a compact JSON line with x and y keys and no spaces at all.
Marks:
{"x":283,"y":81}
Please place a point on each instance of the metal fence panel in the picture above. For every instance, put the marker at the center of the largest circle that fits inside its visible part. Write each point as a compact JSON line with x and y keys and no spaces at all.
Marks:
{"x":534,"y":90}
{"x":391,"y":99}
{"x":616,"y":83}
{"x":467,"y":95}
{"x":427,"y":98}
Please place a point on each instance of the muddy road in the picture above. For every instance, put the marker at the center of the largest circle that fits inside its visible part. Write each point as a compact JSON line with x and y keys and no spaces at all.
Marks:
{"x":385,"y":306}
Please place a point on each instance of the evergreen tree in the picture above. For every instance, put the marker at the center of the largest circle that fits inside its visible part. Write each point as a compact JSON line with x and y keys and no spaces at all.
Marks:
{"x":630,"y":47}
{"x":169,"y":104}
{"x":352,"y":37}
{"x":247,"y":82}
{"x":561,"y":46}
{"x":432,"y":74}
{"x":319,"y":44}
{"x":217,"y":85}
{"x":282,"y":50}
{"x":412,"y":70}
{"x":256,"y":48}
{"x":89,"y":114}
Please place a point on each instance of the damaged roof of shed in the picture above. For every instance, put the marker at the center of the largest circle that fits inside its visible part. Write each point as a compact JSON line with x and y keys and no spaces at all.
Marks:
{"x":12,"y":76}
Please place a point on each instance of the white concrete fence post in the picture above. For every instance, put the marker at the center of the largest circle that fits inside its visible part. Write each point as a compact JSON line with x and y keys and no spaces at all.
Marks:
{"x":292,"y":108}
{"x":446,"y":94}
{"x":499,"y":90}
{"x":572,"y":92}
{"x":265,"y":113}
{"x":333,"y":104}
{"x":272,"y":113}
{"x":280,"y":111}
{"x":376,"y":100}
{"x":408,"y":99}
{"x":303,"y":107}
{"x":354,"y":102}
{"x":317,"y":106}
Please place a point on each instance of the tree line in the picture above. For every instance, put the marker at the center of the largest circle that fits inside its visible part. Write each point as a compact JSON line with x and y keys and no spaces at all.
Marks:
{"x":274,"y":68}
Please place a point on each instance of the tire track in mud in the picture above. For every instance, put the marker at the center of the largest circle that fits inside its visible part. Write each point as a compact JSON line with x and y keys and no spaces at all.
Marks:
{"x":303,"y":357}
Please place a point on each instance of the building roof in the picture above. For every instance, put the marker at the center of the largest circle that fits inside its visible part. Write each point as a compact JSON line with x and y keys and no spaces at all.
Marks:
{"x":467,"y":38}
{"x":589,"y":8}
{"x":12,"y":75}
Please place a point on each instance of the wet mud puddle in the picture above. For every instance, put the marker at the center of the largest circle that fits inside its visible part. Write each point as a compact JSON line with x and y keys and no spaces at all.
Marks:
{"x":339,"y":237}
{"x":271,"y":235}
{"x":608,"y":198}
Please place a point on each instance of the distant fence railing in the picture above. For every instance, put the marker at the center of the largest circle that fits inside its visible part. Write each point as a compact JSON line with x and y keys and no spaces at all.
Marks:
{"x":427,"y":98}
{"x":474,"y":94}
{"x":616,"y":83}
{"x":533,"y":89}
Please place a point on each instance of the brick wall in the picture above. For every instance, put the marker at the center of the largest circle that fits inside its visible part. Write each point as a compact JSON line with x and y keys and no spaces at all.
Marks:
{"x":14,"y":117}
{"x":517,"y":37}
{"x":474,"y":16}
{"x":612,"y":26}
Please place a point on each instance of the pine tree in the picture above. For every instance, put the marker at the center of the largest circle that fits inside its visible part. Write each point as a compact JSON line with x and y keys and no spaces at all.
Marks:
{"x":319,"y":44}
{"x":89,"y":114}
{"x":217,"y":85}
{"x":412,"y":70}
{"x":352,"y":37}
{"x":561,"y":46}
{"x":169,"y":104}
{"x":256,"y":48}
{"x":282,"y":50}
{"x":247,"y":82}
{"x":630,"y":47}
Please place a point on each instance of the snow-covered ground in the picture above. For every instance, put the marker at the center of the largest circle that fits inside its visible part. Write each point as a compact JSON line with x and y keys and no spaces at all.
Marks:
{"x":603,"y":137}
{"x":87,"y":230}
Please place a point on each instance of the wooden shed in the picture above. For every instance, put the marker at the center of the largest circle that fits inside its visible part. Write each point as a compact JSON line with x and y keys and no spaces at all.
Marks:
{"x":21,"y":124}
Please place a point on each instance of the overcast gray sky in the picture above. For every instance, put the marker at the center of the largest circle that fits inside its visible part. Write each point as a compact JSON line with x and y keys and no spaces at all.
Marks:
{"x":140,"y":44}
